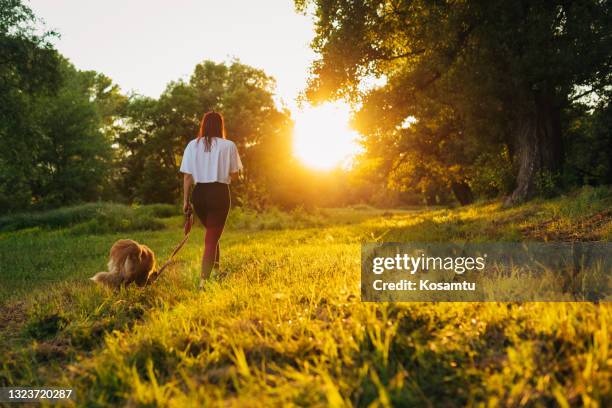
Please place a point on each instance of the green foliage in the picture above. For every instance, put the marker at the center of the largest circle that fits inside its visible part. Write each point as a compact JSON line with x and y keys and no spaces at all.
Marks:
{"x":589,"y":143}
{"x":493,"y":174}
{"x":159,"y":210}
{"x":43,"y":327}
{"x":29,"y":70}
{"x":74,"y":161}
{"x":69,"y":136}
{"x":460,"y":79}
{"x":547,"y":184}
{"x":29,"y":64}
{"x":56,"y":122}
{"x":157,"y":131}
{"x":92,"y":217}
{"x":587,"y":200}
{"x":287,"y":327}
{"x":118,"y":218}
{"x":62,"y":217}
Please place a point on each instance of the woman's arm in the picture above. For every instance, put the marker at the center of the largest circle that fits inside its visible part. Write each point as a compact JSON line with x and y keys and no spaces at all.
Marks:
{"x":235,"y":163}
{"x":187,"y":184}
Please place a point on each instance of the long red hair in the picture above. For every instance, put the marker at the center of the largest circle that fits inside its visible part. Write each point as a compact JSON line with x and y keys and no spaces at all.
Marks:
{"x":211,"y":126}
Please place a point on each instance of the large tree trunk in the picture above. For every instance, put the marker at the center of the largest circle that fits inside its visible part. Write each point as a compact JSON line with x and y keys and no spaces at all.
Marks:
{"x":539,"y":146}
{"x":463,"y":193}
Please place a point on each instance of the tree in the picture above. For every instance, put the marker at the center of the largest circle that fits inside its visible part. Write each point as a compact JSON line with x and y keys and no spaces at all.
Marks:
{"x":75,"y":156}
{"x":56,"y":123}
{"x":589,"y":142}
{"x":500,"y":72}
{"x":29,"y":67}
{"x":156,"y":131}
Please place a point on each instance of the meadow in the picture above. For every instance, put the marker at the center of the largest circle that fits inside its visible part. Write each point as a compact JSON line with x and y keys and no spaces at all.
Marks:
{"x":286,"y":326}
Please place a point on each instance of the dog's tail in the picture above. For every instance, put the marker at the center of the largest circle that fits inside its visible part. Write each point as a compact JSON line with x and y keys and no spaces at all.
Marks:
{"x":108,"y":279}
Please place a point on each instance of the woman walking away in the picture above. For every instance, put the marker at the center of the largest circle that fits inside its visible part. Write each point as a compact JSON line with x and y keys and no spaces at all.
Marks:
{"x":210,"y":161}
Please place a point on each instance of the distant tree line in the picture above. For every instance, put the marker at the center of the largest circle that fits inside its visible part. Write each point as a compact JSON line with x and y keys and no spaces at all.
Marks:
{"x":69,"y":136}
{"x":475,"y":98}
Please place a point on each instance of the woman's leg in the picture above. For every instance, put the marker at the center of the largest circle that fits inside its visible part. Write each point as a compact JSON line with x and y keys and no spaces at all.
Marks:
{"x":219,"y":202}
{"x":217,"y":255}
{"x":201,"y":200}
{"x":211,"y":253}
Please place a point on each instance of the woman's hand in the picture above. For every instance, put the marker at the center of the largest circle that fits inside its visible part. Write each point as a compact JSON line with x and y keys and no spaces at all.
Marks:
{"x":187,"y":208}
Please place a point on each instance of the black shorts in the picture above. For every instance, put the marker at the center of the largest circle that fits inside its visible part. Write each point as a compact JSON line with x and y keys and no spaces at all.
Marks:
{"x":211,"y":203}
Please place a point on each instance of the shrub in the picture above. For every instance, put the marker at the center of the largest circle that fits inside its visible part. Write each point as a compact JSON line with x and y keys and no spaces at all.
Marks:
{"x":91,"y":217}
{"x":159,"y":210}
{"x":547,"y":184}
{"x":492,"y":175}
{"x":57,"y":218}
{"x":117,"y":220}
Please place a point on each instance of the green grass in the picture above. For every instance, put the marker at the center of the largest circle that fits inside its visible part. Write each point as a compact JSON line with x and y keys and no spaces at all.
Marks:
{"x":287,"y":327}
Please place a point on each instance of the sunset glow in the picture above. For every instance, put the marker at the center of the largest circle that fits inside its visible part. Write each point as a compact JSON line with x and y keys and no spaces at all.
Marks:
{"x":322,"y":137}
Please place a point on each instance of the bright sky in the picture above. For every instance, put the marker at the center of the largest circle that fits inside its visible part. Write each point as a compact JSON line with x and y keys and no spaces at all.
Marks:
{"x":143,"y":45}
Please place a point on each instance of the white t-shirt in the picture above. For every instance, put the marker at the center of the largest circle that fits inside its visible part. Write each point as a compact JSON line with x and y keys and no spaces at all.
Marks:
{"x":213,"y":166}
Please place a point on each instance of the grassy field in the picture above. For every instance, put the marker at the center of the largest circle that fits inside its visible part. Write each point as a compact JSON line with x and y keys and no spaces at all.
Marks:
{"x":287,"y":326}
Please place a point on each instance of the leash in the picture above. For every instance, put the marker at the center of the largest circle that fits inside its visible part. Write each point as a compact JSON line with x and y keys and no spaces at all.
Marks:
{"x":186,"y":230}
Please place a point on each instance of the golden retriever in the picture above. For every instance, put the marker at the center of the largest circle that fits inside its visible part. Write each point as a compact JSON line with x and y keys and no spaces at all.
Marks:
{"x":128,"y":262}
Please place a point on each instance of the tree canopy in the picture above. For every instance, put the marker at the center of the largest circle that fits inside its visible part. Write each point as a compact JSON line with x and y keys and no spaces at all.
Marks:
{"x":156,"y":131}
{"x":29,"y":68}
{"x":480,"y":78}
{"x":455,"y":100}
{"x":70,"y":136}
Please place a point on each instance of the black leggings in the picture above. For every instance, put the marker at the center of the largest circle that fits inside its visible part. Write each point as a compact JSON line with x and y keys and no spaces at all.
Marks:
{"x":211,"y":203}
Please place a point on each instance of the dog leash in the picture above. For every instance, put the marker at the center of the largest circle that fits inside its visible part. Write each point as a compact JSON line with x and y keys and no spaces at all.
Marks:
{"x":186,"y":230}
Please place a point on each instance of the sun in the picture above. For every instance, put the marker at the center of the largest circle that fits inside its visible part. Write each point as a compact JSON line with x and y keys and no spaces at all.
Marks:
{"x":322,"y":137}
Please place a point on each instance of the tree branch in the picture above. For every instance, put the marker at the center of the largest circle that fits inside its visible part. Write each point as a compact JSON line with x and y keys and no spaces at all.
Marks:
{"x":590,"y":91}
{"x":409,"y":54}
